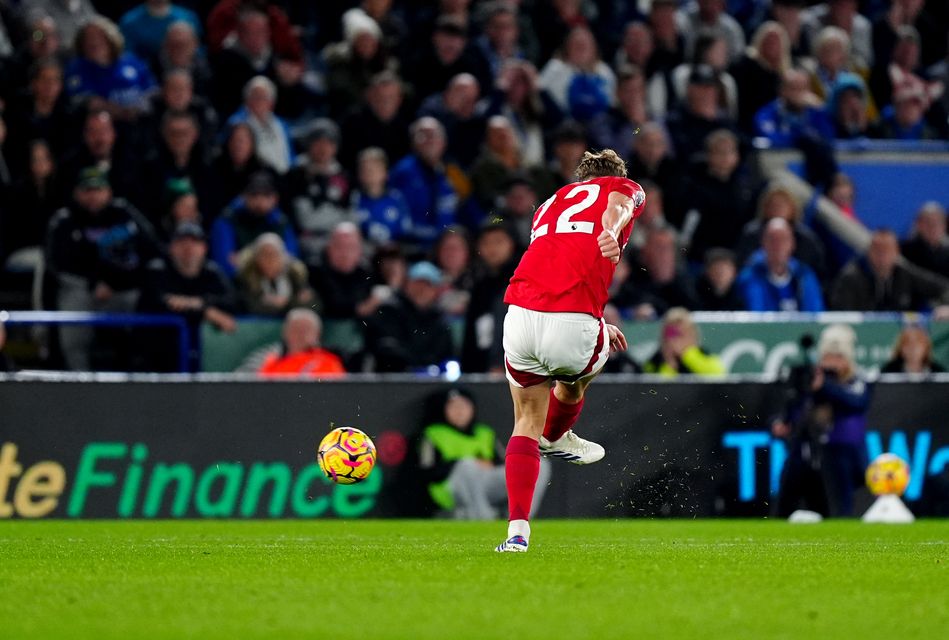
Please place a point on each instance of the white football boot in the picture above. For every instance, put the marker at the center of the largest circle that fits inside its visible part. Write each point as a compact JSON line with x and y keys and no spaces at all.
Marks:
{"x":514,"y":544}
{"x":572,"y":448}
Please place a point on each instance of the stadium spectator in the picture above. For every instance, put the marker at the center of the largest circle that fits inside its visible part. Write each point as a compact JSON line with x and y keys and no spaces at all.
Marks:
{"x":233,"y":165}
{"x":901,"y":69}
{"x":317,"y":189}
{"x":395,"y":36}
{"x":843,"y":15}
{"x":271,"y":281}
{"x":381,"y":211}
{"x":909,"y":13}
{"x":410,"y":332}
{"x":383,"y":121}
{"x":32,"y":88}
{"x":825,"y":425}
{"x":790,"y":15}
{"x":710,"y":16}
{"x":43,"y":43}
{"x":181,"y":206}
{"x":187,"y":284}
{"x":457,"y":455}
{"x":97,"y":250}
{"x":636,"y":49}
{"x":340,"y":279}
{"x":777,"y":201}
{"x":104,"y":76}
{"x":177,"y":94}
{"x":519,"y":98}
{"x":445,"y":57}
{"x":699,"y":115}
{"x":271,"y":134}
{"x":617,"y":127}
{"x":832,"y":57}
{"x":390,"y":269}
{"x":179,"y":157}
{"x":878,"y":282}
{"x":848,"y":105}
{"x":351,"y":64}
{"x":497,"y":258}
{"x":100,"y":147}
{"x":758,"y":73}
{"x":69,"y":16}
{"x":461,"y":113}
{"x":928,"y":246}
{"x":452,"y":254}
{"x":905,"y":118}
{"x":28,"y":206}
{"x":518,"y":203}
{"x":144,"y":26}
{"x":256,"y":212}
{"x":300,"y":353}
{"x":181,"y":50}
{"x":913,"y":354}
{"x":579,"y":82}
{"x":669,"y":38}
{"x":679,"y":351}
{"x":225,"y":23}
{"x":841,"y":192}
{"x":651,"y":159}
{"x":774,"y":280}
{"x":498,"y":43}
{"x":657,"y":282}
{"x":253,"y":53}
{"x":796,"y":114}
{"x":667,"y":91}
{"x":717,"y":198}
{"x":717,"y":287}
{"x":421,"y":178}
{"x":569,"y":144}
{"x":500,"y":161}
{"x":652,"y":217}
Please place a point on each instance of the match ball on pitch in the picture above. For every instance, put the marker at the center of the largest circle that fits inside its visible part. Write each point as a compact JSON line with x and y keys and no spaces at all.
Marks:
{"x":346,"y":455}
{"x":888,"y":474}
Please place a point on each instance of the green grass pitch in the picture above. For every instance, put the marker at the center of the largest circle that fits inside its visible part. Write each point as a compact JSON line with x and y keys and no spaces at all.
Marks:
{"x":408,"y":579}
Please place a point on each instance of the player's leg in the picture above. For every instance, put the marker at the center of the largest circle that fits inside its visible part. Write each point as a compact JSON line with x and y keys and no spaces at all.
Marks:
{"x":559,"y":439}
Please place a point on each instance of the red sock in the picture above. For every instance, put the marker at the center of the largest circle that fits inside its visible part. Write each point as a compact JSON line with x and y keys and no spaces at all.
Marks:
{"x":560,"y":417}
{"x":521,"y":466}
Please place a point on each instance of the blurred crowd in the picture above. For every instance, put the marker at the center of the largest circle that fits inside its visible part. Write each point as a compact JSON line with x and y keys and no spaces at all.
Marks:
{"x":379,"y":162}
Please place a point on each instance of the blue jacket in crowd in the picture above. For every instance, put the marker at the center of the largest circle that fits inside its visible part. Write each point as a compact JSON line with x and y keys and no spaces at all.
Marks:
{"x":144,"y":32}
{"x":237,"y":227}
{"x":127,"y":82}
{"x":801,"y":293}
{"x":783,"y":128}
{"x":383,"y":219}
{"x":430,"y":197}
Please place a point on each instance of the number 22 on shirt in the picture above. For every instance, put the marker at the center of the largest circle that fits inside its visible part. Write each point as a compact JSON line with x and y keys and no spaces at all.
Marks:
{"x":565,"y":223}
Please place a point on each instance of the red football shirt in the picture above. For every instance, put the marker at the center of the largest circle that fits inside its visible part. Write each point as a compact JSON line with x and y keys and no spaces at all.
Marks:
{"x":563,"y":269}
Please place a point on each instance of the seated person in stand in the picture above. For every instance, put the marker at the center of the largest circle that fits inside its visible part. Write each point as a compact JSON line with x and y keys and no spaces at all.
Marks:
{"x":300,"y":354}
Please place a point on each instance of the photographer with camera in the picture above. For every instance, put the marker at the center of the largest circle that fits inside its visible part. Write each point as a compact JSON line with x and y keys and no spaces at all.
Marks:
{"x":825,"y":427}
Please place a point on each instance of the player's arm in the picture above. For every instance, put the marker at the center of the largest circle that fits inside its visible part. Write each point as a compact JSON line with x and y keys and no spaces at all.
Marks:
{"x":620,"y":209}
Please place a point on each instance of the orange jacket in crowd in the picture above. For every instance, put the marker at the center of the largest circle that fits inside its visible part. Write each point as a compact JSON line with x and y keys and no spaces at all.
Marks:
{"x":314,"y":362}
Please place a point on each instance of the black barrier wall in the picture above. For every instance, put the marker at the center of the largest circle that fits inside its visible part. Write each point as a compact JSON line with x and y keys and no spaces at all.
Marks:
{"x":246,"y":449}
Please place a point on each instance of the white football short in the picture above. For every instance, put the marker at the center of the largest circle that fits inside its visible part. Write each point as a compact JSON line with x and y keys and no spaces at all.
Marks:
{"x":540,"y":345}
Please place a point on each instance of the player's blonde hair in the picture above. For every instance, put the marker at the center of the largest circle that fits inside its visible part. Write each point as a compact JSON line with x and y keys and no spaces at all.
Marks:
{"x":600,"y":164}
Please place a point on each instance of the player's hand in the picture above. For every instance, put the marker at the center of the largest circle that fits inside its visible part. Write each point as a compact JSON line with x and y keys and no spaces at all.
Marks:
{"x":609,"y":246}
{"x":617,"y":339}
